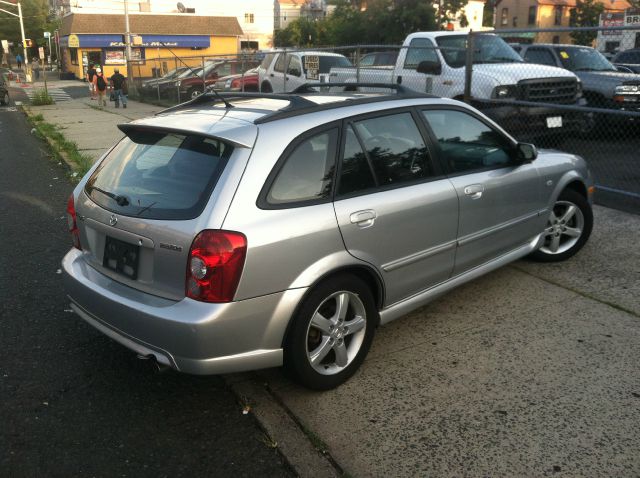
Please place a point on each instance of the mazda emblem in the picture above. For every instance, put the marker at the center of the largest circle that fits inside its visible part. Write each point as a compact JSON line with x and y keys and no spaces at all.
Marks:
{"x":113,"y":220}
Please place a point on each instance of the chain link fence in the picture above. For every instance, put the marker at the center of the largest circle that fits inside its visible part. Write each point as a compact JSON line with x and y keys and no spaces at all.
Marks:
{"x":172,"y":80}
{"x":536,"y":84}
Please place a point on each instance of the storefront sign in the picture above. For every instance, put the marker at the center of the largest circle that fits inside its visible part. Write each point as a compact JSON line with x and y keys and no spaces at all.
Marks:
{"x":73,"y":41}
{"x":114,"y":57}
{"x":612,"y":20}
{"x":149,"y":41}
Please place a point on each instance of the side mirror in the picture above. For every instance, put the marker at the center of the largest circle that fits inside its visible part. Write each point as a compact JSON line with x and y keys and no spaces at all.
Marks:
{"x":429,"y":67}
{"x":526,"y":152}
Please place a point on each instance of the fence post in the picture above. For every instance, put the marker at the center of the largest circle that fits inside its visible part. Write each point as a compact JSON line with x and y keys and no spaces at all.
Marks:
{"x":358,"y":64}
{"x":204,"y":80}
{"x":468,"y":71}
{"x":284,"y":77}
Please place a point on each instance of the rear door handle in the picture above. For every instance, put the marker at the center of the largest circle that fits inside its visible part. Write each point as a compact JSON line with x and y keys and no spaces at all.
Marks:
{"x":474,"y":191}
{"x":364,"y":218}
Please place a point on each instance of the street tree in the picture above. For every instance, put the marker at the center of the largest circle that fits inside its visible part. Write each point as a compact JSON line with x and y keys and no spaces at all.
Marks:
{"x":36,"y":22}
{"x":586,"y":14}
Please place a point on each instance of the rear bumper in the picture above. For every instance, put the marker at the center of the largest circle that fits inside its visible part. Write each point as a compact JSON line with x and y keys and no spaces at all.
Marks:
{"x":187,"y":335}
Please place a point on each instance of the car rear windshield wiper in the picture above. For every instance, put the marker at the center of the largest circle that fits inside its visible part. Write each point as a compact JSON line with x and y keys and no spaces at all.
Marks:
{"x":120,"y":200}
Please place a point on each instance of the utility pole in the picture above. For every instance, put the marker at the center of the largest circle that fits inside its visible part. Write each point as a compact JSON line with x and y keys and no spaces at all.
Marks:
{"x":127,"y":37}
{"x":19,"y":15}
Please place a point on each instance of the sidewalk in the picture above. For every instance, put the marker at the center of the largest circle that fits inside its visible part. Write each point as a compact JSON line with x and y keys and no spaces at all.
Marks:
{"x":92,"y":129}
{"x":532,"y":370}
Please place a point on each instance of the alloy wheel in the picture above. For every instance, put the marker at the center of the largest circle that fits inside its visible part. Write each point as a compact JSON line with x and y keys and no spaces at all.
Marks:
{"x":564,"y":228}
{"x":336,"y":332}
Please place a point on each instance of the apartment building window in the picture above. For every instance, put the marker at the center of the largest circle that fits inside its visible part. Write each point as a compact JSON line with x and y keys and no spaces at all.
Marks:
{"x":514,"y":22}
{"x":533,"y":15}
{"x":557,"y":14}
{"x":573,"y":17}
{"x":248,"y":18}
{"x":504,"y":18}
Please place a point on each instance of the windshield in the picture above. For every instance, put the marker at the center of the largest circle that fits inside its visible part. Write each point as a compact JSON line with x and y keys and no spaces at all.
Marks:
{"x":158,"y":175}
{"x":488,"y":49}
{"x":190,"y":72}
{"x":583,"y":59}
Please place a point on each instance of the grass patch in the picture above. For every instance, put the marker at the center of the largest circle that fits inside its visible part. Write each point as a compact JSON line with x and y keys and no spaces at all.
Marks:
{"x":41,"y":98}
{"x":61,"y":145}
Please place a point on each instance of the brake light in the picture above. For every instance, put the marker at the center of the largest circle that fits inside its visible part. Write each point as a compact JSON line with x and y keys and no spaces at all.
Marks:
{"x":216,"y":259}
{"x":236,"y":83}
{"x":72,"y":223}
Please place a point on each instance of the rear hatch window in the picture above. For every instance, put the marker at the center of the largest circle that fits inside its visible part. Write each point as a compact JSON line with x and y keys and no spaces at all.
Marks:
{"x":159,"y":175}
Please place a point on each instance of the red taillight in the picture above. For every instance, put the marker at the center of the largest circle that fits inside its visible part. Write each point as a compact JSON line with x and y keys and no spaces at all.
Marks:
{"x":236,"y":83}
{"x":73,"y":225}
{"x":215,"y":264}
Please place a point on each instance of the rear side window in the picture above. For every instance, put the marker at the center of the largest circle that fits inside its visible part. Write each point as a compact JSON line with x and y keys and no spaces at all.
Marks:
{"x":159,"y":175}
{"x":307,"y":173}
{"x":279,"y":66}
{"x":266,"y":61}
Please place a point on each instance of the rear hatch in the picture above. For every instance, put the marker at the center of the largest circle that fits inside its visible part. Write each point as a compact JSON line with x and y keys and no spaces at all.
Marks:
{"x":140,"y":210}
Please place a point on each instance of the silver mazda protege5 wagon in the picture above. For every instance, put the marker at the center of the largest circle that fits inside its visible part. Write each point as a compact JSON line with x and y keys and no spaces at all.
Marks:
{"x":257,"y":230}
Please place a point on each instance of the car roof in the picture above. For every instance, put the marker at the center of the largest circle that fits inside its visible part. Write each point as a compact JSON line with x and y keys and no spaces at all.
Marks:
{"x":207,"y":115}
{"x":558,"y":45}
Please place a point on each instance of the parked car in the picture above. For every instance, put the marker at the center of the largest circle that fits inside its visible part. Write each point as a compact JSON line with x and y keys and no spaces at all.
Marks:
{"x":434,"y":62}
{"x":149,"y":86}
{"x":286,"y":71}
{"x":193,"y":86}
{"x":4,"y":92}
{"x":629,"y":59}
{"x":169,"y":88}
{"x":247,"y":81}
{"x":603,"y":85}
{"x":263,"y":229}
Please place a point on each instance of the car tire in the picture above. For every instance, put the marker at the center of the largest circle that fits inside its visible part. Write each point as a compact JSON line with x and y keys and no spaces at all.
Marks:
{"x":568,"y":228}
{"x":193,"y":93}
{"x":4,"y":100}
{"x":331,"y":333}
{"x":266,"y":87}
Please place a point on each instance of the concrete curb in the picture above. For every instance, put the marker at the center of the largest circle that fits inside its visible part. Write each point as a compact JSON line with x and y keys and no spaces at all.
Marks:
{"x":293,"y":443}
{"x":65,"y":157}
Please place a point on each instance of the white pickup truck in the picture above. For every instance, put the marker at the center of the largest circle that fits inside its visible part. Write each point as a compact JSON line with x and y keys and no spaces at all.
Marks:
{"x":434,"y":62}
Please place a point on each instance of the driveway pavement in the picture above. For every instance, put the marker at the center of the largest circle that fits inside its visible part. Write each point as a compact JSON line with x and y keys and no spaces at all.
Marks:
{"x":529,"y":371}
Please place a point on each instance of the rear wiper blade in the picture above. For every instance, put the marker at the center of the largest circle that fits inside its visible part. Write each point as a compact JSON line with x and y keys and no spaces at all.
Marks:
{"x":120,"y":200}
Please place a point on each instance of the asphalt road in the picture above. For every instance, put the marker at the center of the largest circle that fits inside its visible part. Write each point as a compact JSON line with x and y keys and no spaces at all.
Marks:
{"x":72,"y":402}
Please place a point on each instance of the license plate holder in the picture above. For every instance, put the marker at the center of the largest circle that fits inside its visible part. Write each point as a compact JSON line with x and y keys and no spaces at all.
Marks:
{"x":554,"y":122}
{"x":121,"y":257}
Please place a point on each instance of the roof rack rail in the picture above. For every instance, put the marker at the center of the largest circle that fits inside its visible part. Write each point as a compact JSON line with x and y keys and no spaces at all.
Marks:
{"x":295,"y":102}
{"x":309,"y":87}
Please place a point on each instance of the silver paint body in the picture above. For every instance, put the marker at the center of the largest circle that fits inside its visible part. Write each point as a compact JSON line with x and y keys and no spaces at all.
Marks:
{"x":417,"y":242}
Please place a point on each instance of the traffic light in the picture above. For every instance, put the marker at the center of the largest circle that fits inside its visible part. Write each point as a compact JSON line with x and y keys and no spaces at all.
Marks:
{"x":28,"y":43}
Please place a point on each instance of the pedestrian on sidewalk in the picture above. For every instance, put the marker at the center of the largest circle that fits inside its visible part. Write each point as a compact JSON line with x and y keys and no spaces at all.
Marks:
{"x":119,"y":87}
{"x":91,"y":72}
{"x":35,"y":67}
{"x":19,"y":61}
{"x":101,"y":87}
